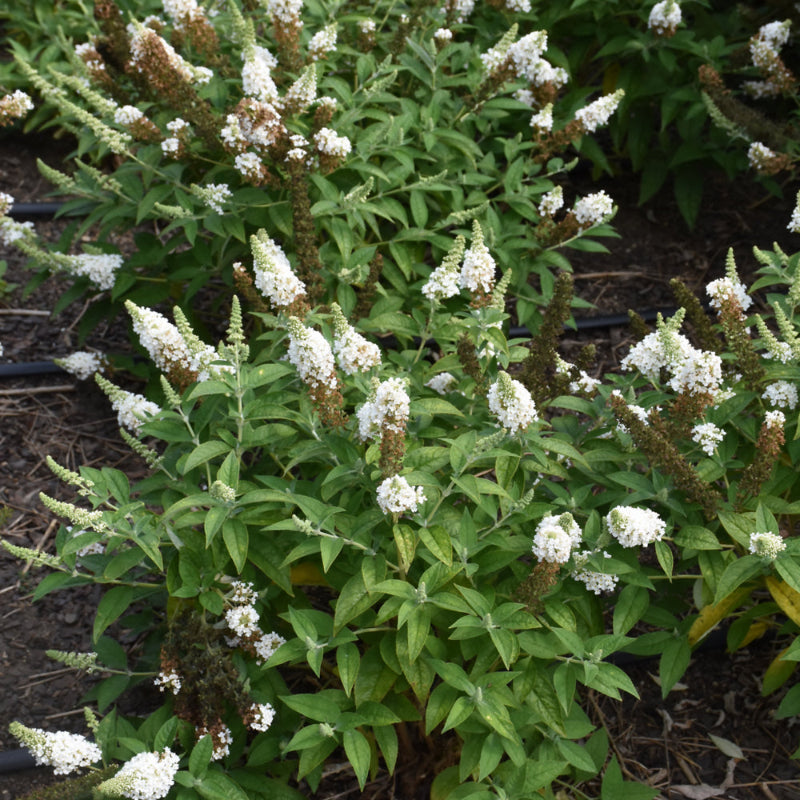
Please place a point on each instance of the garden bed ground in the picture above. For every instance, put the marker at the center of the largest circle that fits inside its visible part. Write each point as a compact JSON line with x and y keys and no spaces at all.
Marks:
{"x":663,"y":742}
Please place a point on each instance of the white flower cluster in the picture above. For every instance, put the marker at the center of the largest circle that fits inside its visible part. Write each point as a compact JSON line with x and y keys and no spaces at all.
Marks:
{"x":213,"y":195}
{"x":633,"y":527}
{"x":82,"y":364}
{"x":182,"y":12}
{"x":478,"y":268}
{"x":526,"y":54}
{"x":261,"y":716}
{"x":259,"y":124}
{"x":691,"y":369}
{"x":766,"y":545}
{"x":242,"y":593}
{"x":723,"y":288}
{"x":511,"y":403}
{"x":257,"y":75}
{"x":583,"y":383}
{"x":322,"y":42}
{"x":274,"y":276}
{"x":782,"y":394}
{"x":597,"y":582}
{"x":444,"y":280}
{"x":443,"y":35}
{"x":330,"y":144}
{"x":302,"y":93}
{"x":598,"y":113}
{"x":555,"y":538}
{"x":396,"y":496}
{"x":521,"y":6}
{"x":168,"y":681}
{"x":759,"y":156}
{"x":551,"y":202}
{"x":15,"y":105}
{"x":144,"y":40}
{"x":353,"y":352}
{"x":242,"y":620}
{"x":127,"y":115}
{"x":542,"y":121}
{"x":708,"y":436}
{"x":665,"y":16}
{"x":764,"y":51}
{"x":64,"y":752}
{"x":593,"y":209}
{"x":461,"y":8}
{"x":311,"y":354}
{"x":544,"y":73}
{"x":6,"y":202}
{"x":11,"y":231}
{"x":287,"y":11}
{"x":389,"y":408}
{"x":367,"y":26}
{"x":167,"y":347}
{"x":775,"y":34}
{"x":132,"y":409}
{"x":775,"y":419}
{"x":99,"y":268}
{"x":442,"y":383}
{"x":249,"y":166}
{"x":298,"y":151}
{"x":221,"y":740}
{"x":780,"y":351}
{"x":794,"y":222}
{"x":147,"y":776}
{"x":266,"y":645}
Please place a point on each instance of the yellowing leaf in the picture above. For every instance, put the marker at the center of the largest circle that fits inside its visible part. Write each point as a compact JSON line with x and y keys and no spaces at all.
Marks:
{"x":786,"y":597}
{"x":712,"y":615}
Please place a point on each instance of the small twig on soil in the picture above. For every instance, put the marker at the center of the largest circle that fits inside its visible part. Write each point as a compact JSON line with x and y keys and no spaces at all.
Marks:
{"x":20,"y":312}
{"x":36,"y":390}
{"x":65,"y":713}
{"x":582,"y":276}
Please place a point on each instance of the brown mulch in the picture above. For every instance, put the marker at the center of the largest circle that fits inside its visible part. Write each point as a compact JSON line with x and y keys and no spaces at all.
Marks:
{"x":662,"y":742}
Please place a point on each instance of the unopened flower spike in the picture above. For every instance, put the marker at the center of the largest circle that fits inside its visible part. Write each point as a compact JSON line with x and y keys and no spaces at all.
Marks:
{"x":86,"y":662}
{"x":780,"y":351}
{"x":79,"y":517}
{"x":237,"y":349}
{"x":172,"y":397}
{"x":84,"y":485}
{"x":35,"y":557}
{"x":498,"y":301}
{"x":787,"y":330}
{"x":150,"y":456}
{"x":444,"y":280}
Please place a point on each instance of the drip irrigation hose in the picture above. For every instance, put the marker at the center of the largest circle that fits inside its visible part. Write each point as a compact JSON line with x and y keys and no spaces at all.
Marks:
{"x":23,"y":210}
{"x":16,"y":760}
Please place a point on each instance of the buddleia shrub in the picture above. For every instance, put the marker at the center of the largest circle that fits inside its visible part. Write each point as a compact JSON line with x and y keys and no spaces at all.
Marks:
{"x":354,"y":553}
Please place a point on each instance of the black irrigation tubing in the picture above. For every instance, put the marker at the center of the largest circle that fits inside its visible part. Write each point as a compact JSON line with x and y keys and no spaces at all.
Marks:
{"x":24,"y":210}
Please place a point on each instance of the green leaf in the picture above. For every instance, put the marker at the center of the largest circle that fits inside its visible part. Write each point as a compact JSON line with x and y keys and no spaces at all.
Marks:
{"x":204,"y":453}
{"x":353,"y":600}
{"x":631,"y":605}
{"x":216,"y":786}
{"x":236,"y":538}
{"x":437,"y":540}
{"x":114,"y":603}
{"x":576,"y":755}
{"x":319,"y":706}
{"x":736,"y":573}
{"x":358,"y":752}
{"x":674,"y":661}
{"x":665,"y":558}
{"x":200,"y":756}
{"x":386,"y":739}
{"x":348,"y":661}
{"x":615,"y":788}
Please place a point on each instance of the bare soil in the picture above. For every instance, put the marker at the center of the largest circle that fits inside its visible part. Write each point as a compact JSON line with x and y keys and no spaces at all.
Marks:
{"x":662,"y":742}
